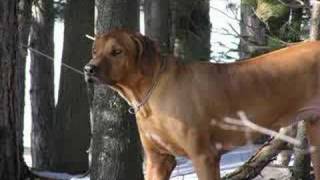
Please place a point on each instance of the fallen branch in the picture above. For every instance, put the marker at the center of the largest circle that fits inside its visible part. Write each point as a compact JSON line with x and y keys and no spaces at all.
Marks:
{"x":267,"y":152}
{"x":243,"y":124}
{"x":261,"y":159}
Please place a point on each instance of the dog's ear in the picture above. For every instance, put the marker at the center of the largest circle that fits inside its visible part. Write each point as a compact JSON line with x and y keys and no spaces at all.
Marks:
{"x":139,"y":46}
{"x":146,"y":52}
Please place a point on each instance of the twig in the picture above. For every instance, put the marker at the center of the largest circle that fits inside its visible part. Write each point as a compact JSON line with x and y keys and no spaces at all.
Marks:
{"x":266,"y":131}
{"x":225,"y":14}
{"x":90,"y":37}
{"x":244,"y":122}
{"x":52,"y":59}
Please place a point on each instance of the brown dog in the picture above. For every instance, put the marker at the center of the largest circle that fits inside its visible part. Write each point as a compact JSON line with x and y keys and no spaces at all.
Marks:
{"x":175,"y":102}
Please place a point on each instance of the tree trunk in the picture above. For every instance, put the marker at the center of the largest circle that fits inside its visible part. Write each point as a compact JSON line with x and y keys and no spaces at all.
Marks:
{"x":42,"y":87}
{"x":315,"y":21}
{"x":157,"y":22}
{"x":302,"y":166}
{"x":72,"y":110}
{"x":13,"y":31}
{"x":253,"y":40}
{"x":116,"y":149}
{"x":191,"y":29}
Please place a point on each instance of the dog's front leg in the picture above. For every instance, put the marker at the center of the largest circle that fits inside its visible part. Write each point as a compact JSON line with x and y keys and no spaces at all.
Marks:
{"x":158,"y":166}
{"x":206,"y":165}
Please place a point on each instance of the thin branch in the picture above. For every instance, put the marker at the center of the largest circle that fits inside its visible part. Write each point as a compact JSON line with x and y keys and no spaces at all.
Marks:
{"x":244,"y":122}
{"x":225,"y":14}
{"x":90,"y":37}
{"x":266,"y":131}
{"x":52,"y":59}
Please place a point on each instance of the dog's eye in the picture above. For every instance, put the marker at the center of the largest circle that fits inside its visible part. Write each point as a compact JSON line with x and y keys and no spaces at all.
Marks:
{"x":116,"y":52}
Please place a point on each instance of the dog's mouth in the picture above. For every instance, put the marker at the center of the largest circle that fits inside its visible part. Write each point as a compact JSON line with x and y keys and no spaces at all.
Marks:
{"x":95,"y":79}
{"x":91,"y":79}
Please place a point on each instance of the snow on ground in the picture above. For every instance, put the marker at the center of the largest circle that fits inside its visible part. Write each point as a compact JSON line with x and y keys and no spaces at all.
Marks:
{"x":184,"y":170}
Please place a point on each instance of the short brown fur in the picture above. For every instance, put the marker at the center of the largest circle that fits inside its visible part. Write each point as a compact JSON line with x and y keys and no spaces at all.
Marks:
{"x":276,"y":88}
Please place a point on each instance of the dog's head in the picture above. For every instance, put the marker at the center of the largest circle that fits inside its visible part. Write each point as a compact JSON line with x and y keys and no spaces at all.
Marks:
{"x":120,"y":56}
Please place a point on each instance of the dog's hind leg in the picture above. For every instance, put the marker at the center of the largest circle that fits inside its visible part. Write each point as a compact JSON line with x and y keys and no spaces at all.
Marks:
{"x":313,"y":130}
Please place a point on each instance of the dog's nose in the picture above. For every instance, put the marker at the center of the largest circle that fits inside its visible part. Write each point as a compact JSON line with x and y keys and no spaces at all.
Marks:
{"x":90,"y":69}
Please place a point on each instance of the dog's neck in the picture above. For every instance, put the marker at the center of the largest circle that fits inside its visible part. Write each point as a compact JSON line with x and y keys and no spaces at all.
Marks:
{"x":137,"y":92}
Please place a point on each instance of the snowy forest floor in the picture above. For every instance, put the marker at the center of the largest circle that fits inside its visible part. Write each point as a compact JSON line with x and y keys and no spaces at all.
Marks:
{"x":184,"y":170}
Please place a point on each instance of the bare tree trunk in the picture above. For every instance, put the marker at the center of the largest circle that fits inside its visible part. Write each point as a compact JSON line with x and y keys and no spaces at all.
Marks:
{"x":301,"y":167}
{"x":315,"y":22}
{"x":116,"y":149}
{"x":157,"y":22}
{"x":253,"y":40}
{"x":72,"y":110}
{"x":14,"y":27}
{"x":191,"y":29}
{"x":42,"y":87}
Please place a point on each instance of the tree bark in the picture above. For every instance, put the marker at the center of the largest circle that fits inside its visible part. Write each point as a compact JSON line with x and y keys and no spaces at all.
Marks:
{"x":115,"y":148}
{"x":14,"y":25}
{"x":191,"y":29}
{"x":72,"y":110}
{"x":315,"y":21}
{"x":253,"y":40}
{"x":157,"y":23}
{"x":301,"y":166}
{"x":42,"y":87}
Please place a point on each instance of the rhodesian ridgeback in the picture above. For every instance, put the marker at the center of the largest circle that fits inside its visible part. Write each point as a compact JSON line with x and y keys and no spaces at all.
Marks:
{"x":175,"y":102}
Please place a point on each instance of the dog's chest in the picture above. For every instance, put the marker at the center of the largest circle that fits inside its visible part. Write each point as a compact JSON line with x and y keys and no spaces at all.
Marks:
{"x":161,"y":132}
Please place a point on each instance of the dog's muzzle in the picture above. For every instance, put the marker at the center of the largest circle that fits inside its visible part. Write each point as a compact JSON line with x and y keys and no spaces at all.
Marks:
{"x":90,"y":72}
